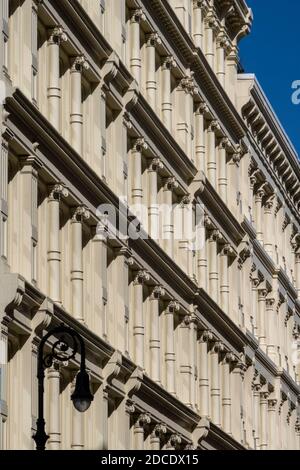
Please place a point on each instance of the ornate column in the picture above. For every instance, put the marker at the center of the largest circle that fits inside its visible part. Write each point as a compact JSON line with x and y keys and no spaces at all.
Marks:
{"x":211,"y":26}
{"x":153,"y":40}
{"x":262,"y":335}
{"x":198,"y":6}
{"x":137,"y":183}
{"x":269,"y":226}
{"x":170,"y":357}
{"x":185,"y":361}
{"x":153,"y":207}
{"x":80,"y":214}
{"x":77,"y":426}
{"x":256,"y":387}
{"x":54,"y":432}
{"x":154,"y":341}
{"x":99,"y":258}
{"x":215,"y":388}
{"x":139,"y":321}
{"x":184,"y":94}
{"x":222,"y":166}
{"x":166,"y":99}
{"x":226,"y":392}
{"x":202,"y":260}
{"x":57,"y":37}
{"x":158,"y":432}
{"x":76,"y":117}
{"x":224,"y":278}
{"x":211,"y":153}
{"x":272,"y":423}
{"x":205,"y":337}
{"x":6,"y":137}
{"x":297,"y":270}
{"x":213,"y":271}
{"x":237,"y":392}
{"x":135,"y":45}
{"x":263,"y":415}
{"x":258,"y":204}
{"x":30,"y":166}
{"x":185,"y":242}
{"x":142,"y":421}
{"x":200,"y":160}
{"x":222,"y":46}
{"x":54,"y":254}
{"x":271,"y":330}
{"x":168,"y":222}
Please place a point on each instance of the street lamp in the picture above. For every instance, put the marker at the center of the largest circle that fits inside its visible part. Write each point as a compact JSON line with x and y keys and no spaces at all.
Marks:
{"x":64,"y":348}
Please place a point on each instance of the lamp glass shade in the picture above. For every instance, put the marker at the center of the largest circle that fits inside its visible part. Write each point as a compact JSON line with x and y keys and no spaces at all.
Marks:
{"x":82,"y":396}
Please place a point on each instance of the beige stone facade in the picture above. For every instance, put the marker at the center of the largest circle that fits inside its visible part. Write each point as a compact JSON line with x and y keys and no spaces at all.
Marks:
{"x":138,"y":105}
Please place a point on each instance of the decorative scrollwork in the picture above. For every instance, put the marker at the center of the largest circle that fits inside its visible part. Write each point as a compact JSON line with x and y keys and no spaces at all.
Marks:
{"x":63,"y":349}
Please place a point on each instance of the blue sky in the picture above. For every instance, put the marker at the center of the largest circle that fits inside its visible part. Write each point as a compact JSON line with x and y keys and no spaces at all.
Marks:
{"x":272,"y":52}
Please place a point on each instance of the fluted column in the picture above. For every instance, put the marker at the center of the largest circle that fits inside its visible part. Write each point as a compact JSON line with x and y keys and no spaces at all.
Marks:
{"x":135,"y":44}
{"x":77,"y":427}
{"x":200,"y":160}
{"x":262,"y":335}
{"x":264,"y":423}
{"x":205,"y":336}
{"x":211,"y":25}
{"x":54,"y":408}
{"x":168,"y":216}
{"x":138,"y":430}
{"x":222,"y":166}
{"x":272,"y":326}
{"x":154,"y":341}
{"x":213,"y":272}
{"x":153,"y":40}
{"x":166,"y":99}
{"x":57,"y":37}
{"x":272,"y":423}
{"x":258,"y":204}
{"x":139,"y":320}
{"x":226,"y":392}
{"x":153,"y":208}
{"x":224,"y":278}
{"x":170,"y":357}
{"x":158,"y":432}
{"x":76,"y":116}
{"x":269,"y":225}
{"x":79,"y":216}
{"x":215,"y":388}
{"x":54,"y":253}
{"x":211,"y":153}
{"x":137,"y":192}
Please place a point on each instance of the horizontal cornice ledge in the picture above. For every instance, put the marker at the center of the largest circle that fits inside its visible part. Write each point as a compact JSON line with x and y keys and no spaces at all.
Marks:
{"x":219,"y":210}
{"x":220,"y":440}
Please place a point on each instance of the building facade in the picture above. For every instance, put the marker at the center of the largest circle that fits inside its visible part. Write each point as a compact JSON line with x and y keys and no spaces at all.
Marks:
{"x":127,"y":129}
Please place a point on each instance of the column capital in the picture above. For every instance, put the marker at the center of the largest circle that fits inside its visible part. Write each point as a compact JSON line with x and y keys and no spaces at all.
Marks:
{"x":218,"y":346}
{"x":173,"y":306}
{"x":215,"y":235}
{"x":188,"y":84}
{"x":295,"y":242}
{"x":169,"y":62}
{"x":139,"y":144}
{"x":227,"y":250}
{"x":186,"y":200}
{"x":270,"y":302}
{"x":272,"y":402}
{"x":206,"y":336}
{"x":214,"y":126}
{"x":269,"y":204}
{"x":174,"y":440}
{"x":156,"y":164}
{"x":262,"y":294}
{"x":171,"y":183}
{"x":143,"y":420}
{"x":223,"y":41}
{"x":137,"y":15}
{"x":159,"y":430}
{"x":58,"y":35}
{"x":57,"y":191}
{"x":264,"y":395}
{"x":80,"y":214}
{"x":229,"y":358}
{"x":244,"y":254}
{"x":141,"y":277}
{"x":203,"y":108}
{"x":153,"y":39}
{"x":157,"y":293}
{"x":211,"y":21}
{"x":80,"y":64}
{"x":224,"y":143}
{"x":286,"y":222}
{"x":200,"y":4}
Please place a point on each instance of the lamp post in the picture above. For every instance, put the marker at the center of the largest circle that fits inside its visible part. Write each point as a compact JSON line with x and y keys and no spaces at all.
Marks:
{"x":64,"y":348}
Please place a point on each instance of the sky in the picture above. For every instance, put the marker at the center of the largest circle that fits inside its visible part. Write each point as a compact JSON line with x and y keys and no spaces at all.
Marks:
{"x":272,"y":52}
